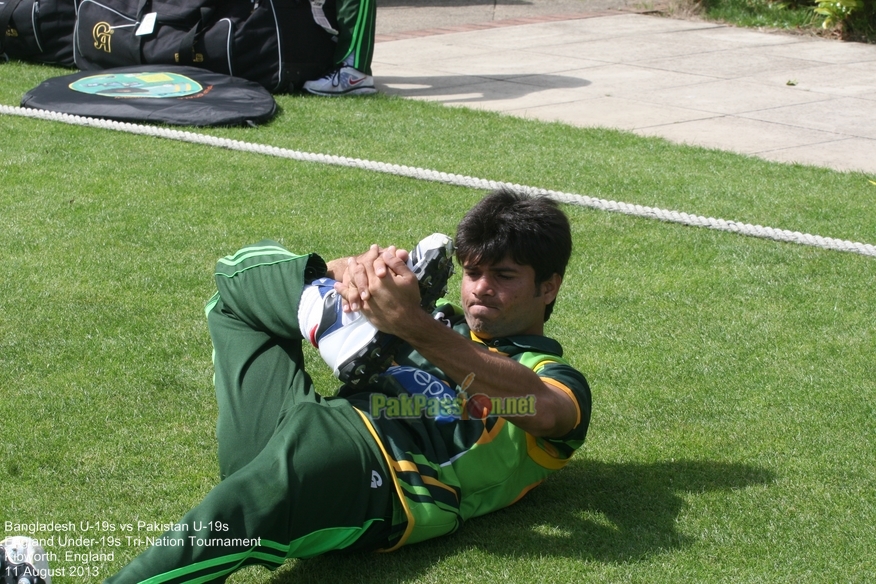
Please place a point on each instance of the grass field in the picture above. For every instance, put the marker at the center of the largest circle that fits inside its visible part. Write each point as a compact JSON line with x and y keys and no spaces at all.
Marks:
{"x":733,"y":430}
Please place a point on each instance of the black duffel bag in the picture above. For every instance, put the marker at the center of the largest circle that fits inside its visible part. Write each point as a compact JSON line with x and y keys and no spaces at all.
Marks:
{"x":38,"y":30}
{"x":277,"y":46}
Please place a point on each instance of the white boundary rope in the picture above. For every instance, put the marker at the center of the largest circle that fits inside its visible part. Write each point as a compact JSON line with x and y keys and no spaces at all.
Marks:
{"x":458,"y":180}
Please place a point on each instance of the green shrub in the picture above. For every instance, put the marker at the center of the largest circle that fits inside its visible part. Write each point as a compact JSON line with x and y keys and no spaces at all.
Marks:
{"x":860,"y":25}
{"x":836,"y":12}
{"x":851,"y":19}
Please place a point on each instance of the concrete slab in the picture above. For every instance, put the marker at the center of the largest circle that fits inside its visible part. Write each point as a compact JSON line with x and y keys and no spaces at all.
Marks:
{"x":627,"y":49}
{"x":787,"y":98}
{"x":514,"y":62}
{"x":503,"y":93}
{"x":610,"y":112}
{"x":423,"y":53}
{"x":620,"y":80}
{"x":731,"y":96}
{"x":849,"y":116}
{"x":737,"y":38}
{"x":730,"y":64}
{"x":744,"y":136}
{"x":398,"y":16}
{"x":850,"y":154}
{"x":825,"y":51}
{"x":851,"y":80}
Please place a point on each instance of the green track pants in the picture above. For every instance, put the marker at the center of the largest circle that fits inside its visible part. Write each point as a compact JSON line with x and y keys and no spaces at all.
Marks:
{"x":356,"y":22}
{"x":301,"y":475}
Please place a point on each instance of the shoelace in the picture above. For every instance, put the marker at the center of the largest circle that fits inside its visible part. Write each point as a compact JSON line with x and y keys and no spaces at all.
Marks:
{"x":336,"y":77}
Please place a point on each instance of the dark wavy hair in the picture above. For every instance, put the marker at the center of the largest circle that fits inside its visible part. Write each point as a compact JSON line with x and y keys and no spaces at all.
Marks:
{"x":533,"y":231}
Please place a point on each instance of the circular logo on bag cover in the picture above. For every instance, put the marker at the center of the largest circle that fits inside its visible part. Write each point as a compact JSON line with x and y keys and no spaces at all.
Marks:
{"x":152,"y":84}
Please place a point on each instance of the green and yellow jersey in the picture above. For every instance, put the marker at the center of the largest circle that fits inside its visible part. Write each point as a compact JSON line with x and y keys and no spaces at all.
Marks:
{"x":445,"y":473}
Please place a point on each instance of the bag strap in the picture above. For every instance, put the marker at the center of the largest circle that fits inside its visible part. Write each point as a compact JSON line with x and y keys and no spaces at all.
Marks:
{"x":187,"y":43}
{"x":6,"y":18}
{"x":319,"y":16}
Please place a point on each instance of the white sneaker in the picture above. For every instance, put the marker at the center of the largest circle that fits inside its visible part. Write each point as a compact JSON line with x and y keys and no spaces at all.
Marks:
{"x":344,"y":80}
{"x":23,"y":561}
{"x":348,"y":343}
{"x":355,"y":350}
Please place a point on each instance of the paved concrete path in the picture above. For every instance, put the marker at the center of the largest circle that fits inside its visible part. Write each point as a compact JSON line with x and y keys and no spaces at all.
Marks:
{"x":781,"y":97}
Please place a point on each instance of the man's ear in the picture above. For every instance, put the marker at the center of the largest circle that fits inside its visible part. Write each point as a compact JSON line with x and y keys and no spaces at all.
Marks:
{"x":550,"y":288}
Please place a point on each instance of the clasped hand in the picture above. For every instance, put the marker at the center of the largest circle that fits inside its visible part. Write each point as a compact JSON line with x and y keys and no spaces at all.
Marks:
{"x":380,"y":285}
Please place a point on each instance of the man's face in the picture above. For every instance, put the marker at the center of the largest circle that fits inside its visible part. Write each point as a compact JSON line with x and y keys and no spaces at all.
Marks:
{"x":502,"y":299}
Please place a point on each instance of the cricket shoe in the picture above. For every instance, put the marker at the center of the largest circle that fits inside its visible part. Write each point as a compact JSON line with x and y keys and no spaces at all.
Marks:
{"x":347,"y":341}
{"x":344,"y":80}
{"x":23,"y":561}
{"x":432,"y":264}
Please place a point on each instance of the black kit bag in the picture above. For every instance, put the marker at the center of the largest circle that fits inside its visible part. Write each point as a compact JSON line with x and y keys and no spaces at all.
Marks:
{"x":308,"y":50}
{"x":250,"y":39}
{"x":38,"y":30}
{"x":168,"y":94}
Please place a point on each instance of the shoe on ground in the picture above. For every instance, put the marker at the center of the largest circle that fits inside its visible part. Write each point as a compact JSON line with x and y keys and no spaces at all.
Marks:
{"x":344,"y":80}
{"x":352,"y":346}
{"x":23,"y":561}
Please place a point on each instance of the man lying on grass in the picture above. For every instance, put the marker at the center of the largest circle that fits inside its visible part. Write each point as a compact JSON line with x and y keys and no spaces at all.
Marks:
{"x":476,"y":409}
